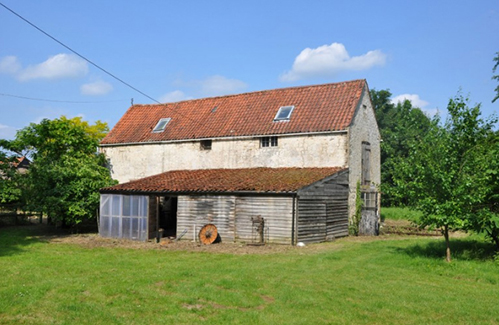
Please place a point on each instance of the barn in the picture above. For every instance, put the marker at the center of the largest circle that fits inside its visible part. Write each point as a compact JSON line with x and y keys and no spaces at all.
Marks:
{"x":290,"y":158}
{"x":253,"y":205}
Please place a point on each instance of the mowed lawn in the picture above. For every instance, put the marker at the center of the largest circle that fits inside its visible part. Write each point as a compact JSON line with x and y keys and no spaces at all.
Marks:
{"x":387,"y":280}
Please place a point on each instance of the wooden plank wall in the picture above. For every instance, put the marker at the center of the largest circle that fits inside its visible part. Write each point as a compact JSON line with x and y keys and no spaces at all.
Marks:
{"x":153,"y":219}
{"x":323,"y":210}
{"x":337,"y":218}
{"x":232,"y":216}
{"x":276,"y":211}
{"x":196,"y":211}
{"x":312,"y":220}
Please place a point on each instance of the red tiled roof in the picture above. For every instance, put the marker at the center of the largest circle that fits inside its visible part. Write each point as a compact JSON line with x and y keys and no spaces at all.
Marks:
{"x":273,"y":180}
{"x":328,"y":107}
{"x":17,"y":161}
{"x":20,"y":161}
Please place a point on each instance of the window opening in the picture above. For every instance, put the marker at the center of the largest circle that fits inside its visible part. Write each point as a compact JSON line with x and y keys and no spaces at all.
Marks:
{"x":366,"y":163}
{"x":206,"y":144}
{"x":268,"y":142}
{"x":160,"y":127}
{"x":370,"y":200}
{"x":284,"y":113}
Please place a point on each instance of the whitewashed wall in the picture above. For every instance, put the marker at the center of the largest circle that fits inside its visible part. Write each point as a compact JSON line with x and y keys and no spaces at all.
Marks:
{"x":137,"y":161}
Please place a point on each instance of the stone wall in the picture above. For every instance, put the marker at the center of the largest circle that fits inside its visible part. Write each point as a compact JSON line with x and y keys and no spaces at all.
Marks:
{"x":363,"y":129}
{"x":138,"y":161}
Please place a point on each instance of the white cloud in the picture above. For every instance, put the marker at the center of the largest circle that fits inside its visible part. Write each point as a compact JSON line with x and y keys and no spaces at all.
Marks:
{"x":9,"y":64}
{"x":7,"y":132}
{"x":96,"y":88}
{"x":416,"y":102}
{"x":413,"y":98}
{"x":216,"y":85}
{"x":329,"y":60}
{"x":220,"y":85}
{"x":55,"y":67}
{"x":174,"y":96}
{"x":431,"y":112}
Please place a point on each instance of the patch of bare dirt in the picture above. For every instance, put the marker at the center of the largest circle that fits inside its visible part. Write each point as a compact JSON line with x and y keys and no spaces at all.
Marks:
{"x":93,"y":240}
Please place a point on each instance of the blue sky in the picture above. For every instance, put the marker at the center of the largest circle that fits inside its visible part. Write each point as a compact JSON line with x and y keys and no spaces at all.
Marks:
{"x":171,"y":51}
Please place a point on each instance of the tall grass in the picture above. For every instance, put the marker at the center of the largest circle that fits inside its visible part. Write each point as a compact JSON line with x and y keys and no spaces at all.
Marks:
{"x":399,"y":213}
{"x":353,"y":280}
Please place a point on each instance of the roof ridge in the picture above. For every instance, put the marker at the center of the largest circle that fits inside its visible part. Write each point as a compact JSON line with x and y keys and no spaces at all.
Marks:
{"x":252,"y":93}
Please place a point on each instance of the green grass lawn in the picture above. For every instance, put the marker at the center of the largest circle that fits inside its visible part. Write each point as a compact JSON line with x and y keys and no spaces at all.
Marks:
{"x":388,"y":280}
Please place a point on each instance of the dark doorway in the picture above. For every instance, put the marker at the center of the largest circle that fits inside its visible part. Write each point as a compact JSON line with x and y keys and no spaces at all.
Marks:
{"x":168,"y":215}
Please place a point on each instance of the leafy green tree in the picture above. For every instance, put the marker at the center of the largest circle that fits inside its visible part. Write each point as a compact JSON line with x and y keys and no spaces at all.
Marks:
{"x":10,"y":192}
{"x":496,"y":77}
{"x":66,"y":170}
{"x":450,"y":171}
{"x":400,"y":124}
{"x":484,"y":216}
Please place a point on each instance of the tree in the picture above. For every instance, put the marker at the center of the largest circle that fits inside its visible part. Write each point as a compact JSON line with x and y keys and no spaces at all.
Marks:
{"x":399,"y":125}
{"x":496,"y":77}
{"x":484,"y":217}
{"x":66,"y":171}
{"x":10,"y":192}
{"x":450,"y":171}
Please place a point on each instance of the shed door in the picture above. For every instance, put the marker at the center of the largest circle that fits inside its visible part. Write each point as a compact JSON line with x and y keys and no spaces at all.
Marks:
{"x":311,"y":226}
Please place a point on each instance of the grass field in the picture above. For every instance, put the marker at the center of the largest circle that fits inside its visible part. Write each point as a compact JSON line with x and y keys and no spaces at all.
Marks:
{"x":387,"y":280}
{"x":396,"y":213}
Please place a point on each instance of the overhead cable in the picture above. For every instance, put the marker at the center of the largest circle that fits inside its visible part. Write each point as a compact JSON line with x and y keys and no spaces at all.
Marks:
{"x":62,"y":101}
{"x":78,"y":54}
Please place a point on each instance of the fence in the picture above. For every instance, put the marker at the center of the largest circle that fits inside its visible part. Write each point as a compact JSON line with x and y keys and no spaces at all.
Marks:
{"x":12,"y":215}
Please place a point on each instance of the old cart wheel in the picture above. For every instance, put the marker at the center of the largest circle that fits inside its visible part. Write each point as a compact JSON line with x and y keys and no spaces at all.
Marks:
{"x":208,"y":234}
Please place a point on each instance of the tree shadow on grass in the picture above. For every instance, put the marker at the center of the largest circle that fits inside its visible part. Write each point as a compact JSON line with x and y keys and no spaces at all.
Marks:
{"x":461,"y":249}
{"x":17,"y":239}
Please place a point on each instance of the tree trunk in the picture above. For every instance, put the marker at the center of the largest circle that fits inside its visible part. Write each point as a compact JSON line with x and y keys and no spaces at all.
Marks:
{"x":495,"y":238}
{"x":446,"y":235}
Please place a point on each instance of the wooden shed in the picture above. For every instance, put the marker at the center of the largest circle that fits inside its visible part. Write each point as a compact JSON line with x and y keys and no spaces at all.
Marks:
{"x":296,"y":205}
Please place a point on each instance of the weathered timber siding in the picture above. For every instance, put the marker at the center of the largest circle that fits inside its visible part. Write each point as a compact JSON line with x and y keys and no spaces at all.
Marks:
{"x":323,"y":210}
{"x":312,"y":220}
{"x":152,"y":220}
{"x":276,"y":211}
{"x":232,"y":216}
{"x":196,"y":211}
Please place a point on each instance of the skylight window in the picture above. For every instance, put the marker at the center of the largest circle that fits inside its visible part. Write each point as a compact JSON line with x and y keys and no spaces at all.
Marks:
{"x":284,"y":113}
{"x":160,"y":127}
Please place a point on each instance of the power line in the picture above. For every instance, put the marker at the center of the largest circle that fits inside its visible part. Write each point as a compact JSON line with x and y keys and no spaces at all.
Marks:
{"x":92,"y":63}
{"x":81,"y":56}
{"x":62,"y":101}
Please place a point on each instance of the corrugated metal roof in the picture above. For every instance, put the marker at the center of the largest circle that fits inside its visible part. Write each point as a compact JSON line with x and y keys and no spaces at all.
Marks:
{"x":319,"y":108}
{"x":258,"y":180}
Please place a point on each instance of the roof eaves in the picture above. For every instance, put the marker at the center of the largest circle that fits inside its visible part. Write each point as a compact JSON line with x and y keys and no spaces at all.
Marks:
{"x":306,"y":133}
{"x":194,"y":192}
